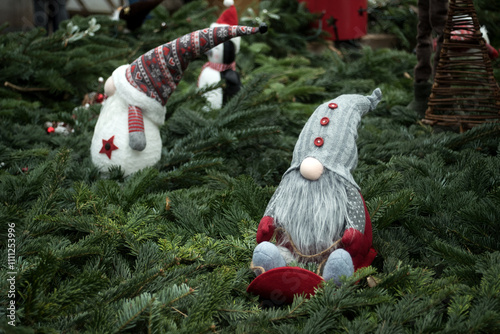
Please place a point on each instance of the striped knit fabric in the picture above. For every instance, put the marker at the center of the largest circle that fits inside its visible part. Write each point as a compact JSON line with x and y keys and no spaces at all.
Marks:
{"x":135,"y":120}
{"x":218,"y":67}
{"x":158,"y":71}
{"x":330,"y":134}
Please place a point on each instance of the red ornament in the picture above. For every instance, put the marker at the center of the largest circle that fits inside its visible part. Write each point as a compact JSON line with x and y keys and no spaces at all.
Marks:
{"x":99,"y":98}
{"x":50,"y":129}
{"x":324,"y":121}
{"x":333,"y":105}
{"x":108,"y":146}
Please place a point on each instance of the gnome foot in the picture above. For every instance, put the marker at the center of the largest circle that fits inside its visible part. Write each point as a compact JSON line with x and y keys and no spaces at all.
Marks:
{"x":267,"y":256}
{"x":137,"y":140}
{"x":339,"y":264}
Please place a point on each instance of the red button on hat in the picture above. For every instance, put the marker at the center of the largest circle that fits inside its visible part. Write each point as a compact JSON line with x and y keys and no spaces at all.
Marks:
{"x":318,"y":141}
{"x":324,"y":121}
{"x":332,"y":105}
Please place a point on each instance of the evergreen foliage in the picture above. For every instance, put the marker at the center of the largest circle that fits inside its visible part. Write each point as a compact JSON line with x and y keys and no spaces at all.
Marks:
{"x":488,"y":13}
{"x":395,"y":17}
{"x":167,"y":249}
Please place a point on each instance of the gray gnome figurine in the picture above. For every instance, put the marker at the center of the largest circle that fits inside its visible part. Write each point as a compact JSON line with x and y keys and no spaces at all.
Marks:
{"x":317,"y":213}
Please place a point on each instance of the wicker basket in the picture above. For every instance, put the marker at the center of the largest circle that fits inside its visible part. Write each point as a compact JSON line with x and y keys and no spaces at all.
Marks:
{"x":464,"y":93}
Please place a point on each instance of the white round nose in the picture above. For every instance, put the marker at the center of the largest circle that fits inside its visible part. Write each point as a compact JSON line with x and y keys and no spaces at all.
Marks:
{"x":311,"y":168}
{"x":109,"y":87}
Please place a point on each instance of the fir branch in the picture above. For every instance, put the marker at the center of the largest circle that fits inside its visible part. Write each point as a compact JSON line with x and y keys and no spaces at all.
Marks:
{"x":469,"y":241}
{"x":139,"y":285}
{"x":292,"y":313}
{"x":176,"y":310}
{"x":485,"y":130}
{"x":25,"y":89}
{"x":128,"y":318}
{"x":190,"y":292}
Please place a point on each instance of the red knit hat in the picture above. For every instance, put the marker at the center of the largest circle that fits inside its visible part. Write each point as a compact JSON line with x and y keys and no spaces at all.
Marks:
{"x":229,"y":16}
{"x":157,"y":72}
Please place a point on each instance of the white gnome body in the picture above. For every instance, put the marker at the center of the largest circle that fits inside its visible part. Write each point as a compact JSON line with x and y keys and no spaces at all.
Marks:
{"x":127,"y":132}
{"x":211,"y":74}
{"x":221,"y":64}
{"x":211,"y":77}
{"x":113,"y":123}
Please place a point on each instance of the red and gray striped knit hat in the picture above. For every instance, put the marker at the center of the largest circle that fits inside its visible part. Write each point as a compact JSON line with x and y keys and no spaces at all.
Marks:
{"x":157,"y":72}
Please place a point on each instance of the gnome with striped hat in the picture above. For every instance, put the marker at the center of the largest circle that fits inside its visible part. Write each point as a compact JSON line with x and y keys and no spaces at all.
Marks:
{"x":127,"y":132}
{"x":317,"y":213}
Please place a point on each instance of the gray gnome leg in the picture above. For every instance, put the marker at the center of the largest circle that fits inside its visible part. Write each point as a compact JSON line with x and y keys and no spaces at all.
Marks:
{"x":267,"y":256}
{"x":136,"y":135}
{"x":137,"y":140}
{"x":339,"y":264}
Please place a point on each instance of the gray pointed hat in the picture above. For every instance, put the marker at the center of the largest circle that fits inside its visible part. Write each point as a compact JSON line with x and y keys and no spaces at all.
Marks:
{"x":331,"y":132}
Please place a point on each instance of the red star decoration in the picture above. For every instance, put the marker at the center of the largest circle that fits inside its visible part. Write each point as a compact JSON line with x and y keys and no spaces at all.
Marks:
{"x":108,"y":146}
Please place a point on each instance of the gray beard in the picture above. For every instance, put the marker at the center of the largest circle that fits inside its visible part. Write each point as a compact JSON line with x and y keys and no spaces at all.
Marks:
{"x":313,"y":213}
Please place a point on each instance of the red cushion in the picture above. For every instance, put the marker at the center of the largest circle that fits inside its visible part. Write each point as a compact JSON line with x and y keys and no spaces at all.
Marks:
{"x":281,"y":284}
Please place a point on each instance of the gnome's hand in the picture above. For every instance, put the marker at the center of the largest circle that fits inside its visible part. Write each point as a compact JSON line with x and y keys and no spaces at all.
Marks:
{"x":359,"y":246}
{"x":266,"y":229}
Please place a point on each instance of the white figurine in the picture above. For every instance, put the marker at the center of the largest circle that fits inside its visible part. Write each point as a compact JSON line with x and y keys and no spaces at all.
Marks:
{"x":221,"y":65}
{"x":127,"y":133}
